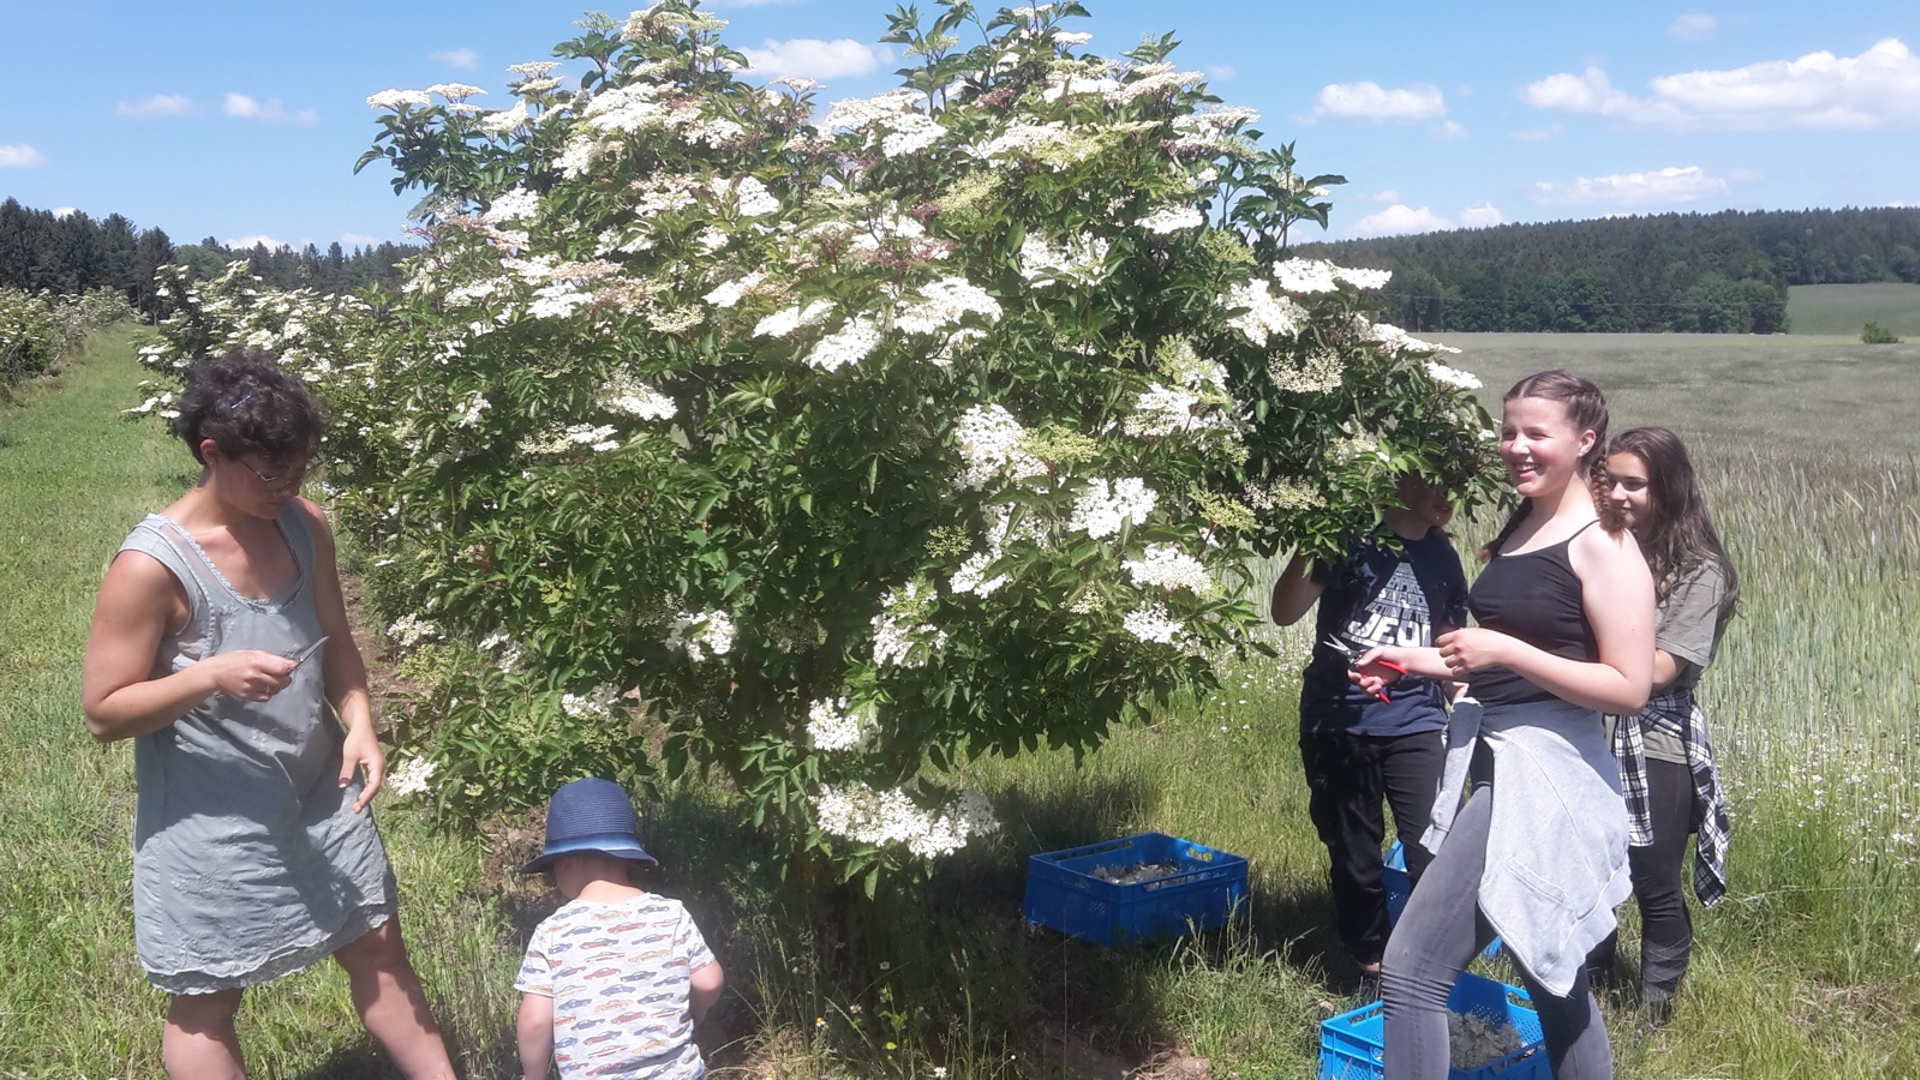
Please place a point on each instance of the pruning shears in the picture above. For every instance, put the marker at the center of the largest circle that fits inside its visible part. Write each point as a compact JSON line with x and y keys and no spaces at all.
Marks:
{"x":1353,"y":658}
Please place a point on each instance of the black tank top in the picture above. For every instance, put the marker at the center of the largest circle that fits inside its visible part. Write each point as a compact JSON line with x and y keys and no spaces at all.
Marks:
{"x":1533,"y":596}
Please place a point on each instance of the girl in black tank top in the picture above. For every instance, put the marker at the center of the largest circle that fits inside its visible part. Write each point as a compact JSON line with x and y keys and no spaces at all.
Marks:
{"x":1533,"y":596}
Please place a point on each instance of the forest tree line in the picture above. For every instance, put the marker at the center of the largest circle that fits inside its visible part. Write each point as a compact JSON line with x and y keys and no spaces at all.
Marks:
{"x":73,"y":253}
{"x":1726,"y":272}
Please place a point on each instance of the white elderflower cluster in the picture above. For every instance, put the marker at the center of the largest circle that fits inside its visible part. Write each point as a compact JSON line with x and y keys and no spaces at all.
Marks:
{"x":627,"y":109}
{"x":713,"y":638}
{"x":471,"y":410}
{"x":1397,"y":340}
{"x":1155,"y":79}
{"x":1162,"y":410}
{"x":899,"y":628}
{"x":728,"y":293}
{"x":1266,"y":314}
{"x":1172,"y":219}
{"x":715,"y":132}
{"x":1283,"y":495}
{"x":1454,"y":377}
{"x":596,"y":706}
{"x":1068,"y":39}
{"x":1320,"y":371}
{"x":752,"y":198}
{"x":909,"y":132}
{"x":833,"y":725}
{"x":562,"y":440}
{"x":858,"y":813}
{"x":410,"y":630}
{"x":1021,"y":138}
{"x":1082,"y":260}
{"x":1306,"y":276}
{"x":1071,"y":83}
{"x":413,"y":776}
{"x":1103,"y":508}
{"x":989,"y":439}
{"x":971,"y":577}
{"x":394,"y":100}
{"x":498,"y":124}
{"x":786,"y":321}
{"x":941,"y":303}
{"x":1169,"y":568}
{"x":859,"y":114}
{"x":625,"y":394}
{"x":577,"y":156}
{"x":454,"y":91}
{"x":1152,"y":624}
{"x":516,"y":205}
{"x":848,"y":345}
{"x":153,"y":402}
{"x":558,"y":300}
{"x":1363,"y":278}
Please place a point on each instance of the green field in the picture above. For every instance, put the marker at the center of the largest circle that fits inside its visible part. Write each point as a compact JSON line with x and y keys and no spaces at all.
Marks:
{"x":1841,"y":310}
{"x":1807,"y":970}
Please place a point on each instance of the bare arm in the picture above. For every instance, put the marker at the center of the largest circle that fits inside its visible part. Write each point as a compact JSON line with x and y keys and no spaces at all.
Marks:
{"x":1616,"y":593}
{"x":1295,"y":591}
{"x":534,"y":1034}
{"x":707,"y":980}
{"x":345,"y":670}
{"x":1666,"y":668}
{"x":139,"y":601}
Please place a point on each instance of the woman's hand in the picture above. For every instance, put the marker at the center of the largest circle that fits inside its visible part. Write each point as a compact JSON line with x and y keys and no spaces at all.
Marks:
{"x":1472,"y":649}
{"x":1377,"y":667}
{"x":361,"y":750}
{"x":250,"y":674}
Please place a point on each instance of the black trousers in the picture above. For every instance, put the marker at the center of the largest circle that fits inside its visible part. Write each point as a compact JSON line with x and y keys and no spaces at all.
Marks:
{"x":1348,"y":776}
{"x":1666,"y":930}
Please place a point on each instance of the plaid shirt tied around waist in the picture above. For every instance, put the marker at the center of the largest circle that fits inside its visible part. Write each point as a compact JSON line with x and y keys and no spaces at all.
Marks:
{"x":1679,"y":716}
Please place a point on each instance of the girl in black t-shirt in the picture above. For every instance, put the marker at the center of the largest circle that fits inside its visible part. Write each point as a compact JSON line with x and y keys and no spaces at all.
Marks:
{"x":1356,"y":749}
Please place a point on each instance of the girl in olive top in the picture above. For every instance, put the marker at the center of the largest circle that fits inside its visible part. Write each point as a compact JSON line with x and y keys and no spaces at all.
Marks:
{"x":1666,"y":759}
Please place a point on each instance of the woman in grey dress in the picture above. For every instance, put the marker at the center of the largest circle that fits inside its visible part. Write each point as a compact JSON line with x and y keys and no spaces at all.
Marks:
{"x":254,"y":853}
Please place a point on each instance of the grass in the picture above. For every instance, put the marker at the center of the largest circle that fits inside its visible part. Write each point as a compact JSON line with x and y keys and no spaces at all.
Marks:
{"x":1807,"y":970}
{"x":1841,"y":310}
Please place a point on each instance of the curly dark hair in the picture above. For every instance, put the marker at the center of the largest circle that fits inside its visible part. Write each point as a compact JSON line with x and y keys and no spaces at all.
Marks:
{"x":246,"y":404}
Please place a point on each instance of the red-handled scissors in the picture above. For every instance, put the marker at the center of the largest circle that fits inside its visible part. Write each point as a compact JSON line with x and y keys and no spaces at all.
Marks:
{"x":1353,"y":658}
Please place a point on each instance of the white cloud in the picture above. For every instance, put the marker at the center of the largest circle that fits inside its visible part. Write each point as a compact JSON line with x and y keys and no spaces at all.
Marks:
{"x":271,"y":111}
{"x":1219,"y":72}
{"x":20,"y":156}
{"x":1879,"y":88}
{"x":1663,"y":187}
{"x":1551,"y":131}
{"x":353,"y":240}
{"x":1401,"y":219}
{"x":1371,"y":101}
{"x":239,"y":243}
{"x":153,"y":108}
{"x":1697,"y":26}
{"x":1447,"y":131}
{"x":464,"y":59}
{"x":816,"y":59}
{"x":62,"y":213}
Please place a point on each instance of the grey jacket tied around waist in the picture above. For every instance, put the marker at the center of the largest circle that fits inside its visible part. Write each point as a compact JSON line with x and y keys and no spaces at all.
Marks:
{"x":1557,"y":843}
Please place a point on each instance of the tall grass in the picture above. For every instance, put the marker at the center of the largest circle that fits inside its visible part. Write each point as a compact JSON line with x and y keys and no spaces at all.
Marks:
{"x":1808,"y":969}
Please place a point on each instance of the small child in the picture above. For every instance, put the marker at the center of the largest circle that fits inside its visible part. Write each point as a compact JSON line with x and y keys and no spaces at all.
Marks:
{"x":614,"y":981}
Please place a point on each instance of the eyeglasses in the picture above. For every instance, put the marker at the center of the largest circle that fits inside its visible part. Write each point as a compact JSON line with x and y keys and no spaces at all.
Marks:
{"x":284,"y":480}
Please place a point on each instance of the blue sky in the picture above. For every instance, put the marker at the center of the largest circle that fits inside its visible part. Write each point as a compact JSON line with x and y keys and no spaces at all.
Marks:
{"x":243,"y":120}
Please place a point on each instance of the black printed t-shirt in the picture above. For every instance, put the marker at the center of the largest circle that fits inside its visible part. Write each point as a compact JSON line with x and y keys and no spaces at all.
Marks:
{"x":1377,"y":597}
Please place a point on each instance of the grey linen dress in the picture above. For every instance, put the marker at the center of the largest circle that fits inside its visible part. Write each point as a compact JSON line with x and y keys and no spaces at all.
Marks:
{"x":249,"y":862}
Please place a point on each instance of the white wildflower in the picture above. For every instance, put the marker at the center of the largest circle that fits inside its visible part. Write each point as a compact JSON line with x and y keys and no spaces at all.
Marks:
{"x":909,"y":133}
{"x":848,"y":345}
{"x":595,"y":706}
{"x":1306,"y":276}
{"x":394,"y":99}
{"x":516,"y":205}
{"x":1454,"y":377}
{"x":1266,"y":314}
{"x":1082,"y":260}
{"x":413,"y":776}
{"x":1162,"y":410}
{"x":455,"y":91}
{"x":784,"y":322}
{"x":752,"y":198}
{"x":944,"y":302}
{"x":1397,"y":340}
{"x":1320,"y":371}
{"x":471,"y":409}
{"x":728,"y":293}
{"x":625,"y":394}
{"x":989,"y":439}
{"x":410,"y":630}
{"x":900,"y":636}
{"x":858,"y":813}
{"x":1361,"y":278}
{"x":1021,"y":138}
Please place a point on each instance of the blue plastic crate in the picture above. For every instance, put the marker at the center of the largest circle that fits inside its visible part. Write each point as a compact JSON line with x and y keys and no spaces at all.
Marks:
{"x":1400,"y":886}
{"x":1352,"y":1047}
{"x":1063,"y":894}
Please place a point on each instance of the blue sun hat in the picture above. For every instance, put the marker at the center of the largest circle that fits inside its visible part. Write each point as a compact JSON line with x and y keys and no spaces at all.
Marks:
{"x":591,"y":815}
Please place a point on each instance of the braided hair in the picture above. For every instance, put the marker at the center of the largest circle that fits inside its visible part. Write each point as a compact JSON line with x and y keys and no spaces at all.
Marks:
{"x":1586,"y":409}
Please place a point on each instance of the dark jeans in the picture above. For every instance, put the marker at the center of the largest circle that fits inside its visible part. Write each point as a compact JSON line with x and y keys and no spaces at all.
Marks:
{"x":1347,"y":777}
{"x":1439,"y":933}
{"x":1666,"y":930}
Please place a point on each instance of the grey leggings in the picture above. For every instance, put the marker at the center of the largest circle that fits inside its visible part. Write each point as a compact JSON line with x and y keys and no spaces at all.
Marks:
{"x":1439,"y":933}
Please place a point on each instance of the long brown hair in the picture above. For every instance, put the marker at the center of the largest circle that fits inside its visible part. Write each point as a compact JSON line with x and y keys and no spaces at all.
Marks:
{"x":1676,"y":533}
{"x":1586,"y":409}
